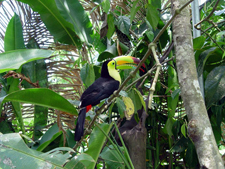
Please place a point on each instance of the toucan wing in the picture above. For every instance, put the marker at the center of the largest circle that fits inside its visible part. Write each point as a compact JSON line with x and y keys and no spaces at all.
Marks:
{"x":102,"y":88}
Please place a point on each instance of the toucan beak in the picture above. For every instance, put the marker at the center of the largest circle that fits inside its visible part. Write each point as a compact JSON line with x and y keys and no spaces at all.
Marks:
{"x":127,"y":62}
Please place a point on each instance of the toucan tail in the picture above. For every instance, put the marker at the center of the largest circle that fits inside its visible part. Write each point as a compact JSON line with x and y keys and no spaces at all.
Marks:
{"x":79,"y":131}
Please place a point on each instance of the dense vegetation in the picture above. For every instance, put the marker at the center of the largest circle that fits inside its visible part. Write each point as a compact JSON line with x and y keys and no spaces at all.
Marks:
{"x":86,"y":33}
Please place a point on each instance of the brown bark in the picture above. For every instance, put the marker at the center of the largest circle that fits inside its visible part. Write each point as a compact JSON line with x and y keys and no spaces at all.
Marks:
{"x":134,"y":136}
{"x":199,"y":127}
{"x":135,"y":140}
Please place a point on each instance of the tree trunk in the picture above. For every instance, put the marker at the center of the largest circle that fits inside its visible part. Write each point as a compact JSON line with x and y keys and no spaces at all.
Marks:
{"x":199,"y":127}
{"x":135,"y":140}
{"x":134,"y":136}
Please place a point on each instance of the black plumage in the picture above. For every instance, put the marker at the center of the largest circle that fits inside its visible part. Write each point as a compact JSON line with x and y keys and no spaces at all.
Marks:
{"x":101,"y":89}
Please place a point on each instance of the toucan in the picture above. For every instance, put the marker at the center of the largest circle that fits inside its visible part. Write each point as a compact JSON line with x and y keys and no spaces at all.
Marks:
{"x":103,"y":87}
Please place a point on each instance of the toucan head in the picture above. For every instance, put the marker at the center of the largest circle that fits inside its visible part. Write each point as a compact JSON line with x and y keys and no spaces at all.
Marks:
{"x":120,"y":62}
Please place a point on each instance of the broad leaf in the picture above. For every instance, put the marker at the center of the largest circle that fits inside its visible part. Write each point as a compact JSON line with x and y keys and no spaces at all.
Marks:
{"x":191,"y":156}
{"x":183,"y":129}
{"x":141,"y":99}
{"x":42,"y":97}
{"x":180,"y":145}
{"x":214,"y":85}
{"x":121,"y":107}
{"x":210,"y":57}
{"x":129,"y":111}
{"x":87,"y":74}
{"x":112,"y":158}
{"x":36,"y":71}
{"x":105,"y":5}
{"x":14,"y":59}
{"x":15,"y":154}
{"x":136,"y":100}
{"x":110,"y":52}
{"x":14,"y":34}
{"x":169,"y":126}
{"x":97,"y":140}
{"x":73,"y":12}
{"x":13,"y":40}
{"x":198,"y":42}
{"x":156,"y":3}
{"x":81,"y":162}
{"x":123,"y":24}
{"x":150,"y":35}
{"x":111,"y":26}
{"x":50,"y":135}
{"x":152,"y":15}
{"x":134,"y":10}
{"x":62,"y":30}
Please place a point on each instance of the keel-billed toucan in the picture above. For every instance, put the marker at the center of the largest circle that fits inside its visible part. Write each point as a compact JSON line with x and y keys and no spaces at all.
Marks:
{"x":102,"y":88}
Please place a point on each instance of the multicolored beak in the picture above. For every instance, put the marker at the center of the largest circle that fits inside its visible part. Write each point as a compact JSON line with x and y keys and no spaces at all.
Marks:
{"x":128,"y":62}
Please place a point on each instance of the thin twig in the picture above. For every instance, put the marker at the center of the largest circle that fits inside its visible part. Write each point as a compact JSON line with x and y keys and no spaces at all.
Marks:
{"x":21,"y":77}
{"x":212,"y":40}
{"x":211,"y":13}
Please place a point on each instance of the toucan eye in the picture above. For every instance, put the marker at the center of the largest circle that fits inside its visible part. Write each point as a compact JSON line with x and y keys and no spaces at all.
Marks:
{"x":113,"y":63}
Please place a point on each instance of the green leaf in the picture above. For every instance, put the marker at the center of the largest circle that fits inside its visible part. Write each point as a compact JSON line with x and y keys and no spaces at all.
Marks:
{"x":110,"y":52}
{"x":42,"y":97}
{"x":87,"y":74}
{"x":214,"y":85}
{"x":191,"y":156}
{"x":112,"y":158}
{"x":169,"y":126}
{"x":134,"y":10}
{"x":209,"y":56}
{"x":14,"y":59}
{"x":183,"y":129}
{"x":156,"y":3}
{"x":81,"y":161}
{"x":220,"y":37}
{"x":36,"y":71}
{"x":152,"y":15}
{"x":176,"y":129}
{"x":150,"y":35}
{"x":13,"y":40}
{"x":198,"y":42}
{"x":141,"y":99}
{"x":123,"y":24}
{"x":136,"y":100}
{"x":111,"y":26}
{"x":70,"y":138}
{"x":50,"y":135}
{"x":180,"y":145}
{"x":175,"y":93}
{"x":62,"y":30}
{"x":15,"y":154}
{"x":14,"y":34}
{"x":121,"y":107}
{"x":97,"y":140}
{"x":105,"y":5}
{"x":73,"y":12}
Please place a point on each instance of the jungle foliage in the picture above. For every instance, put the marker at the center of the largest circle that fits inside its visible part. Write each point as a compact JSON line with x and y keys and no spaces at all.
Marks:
{"x":99,"y":30}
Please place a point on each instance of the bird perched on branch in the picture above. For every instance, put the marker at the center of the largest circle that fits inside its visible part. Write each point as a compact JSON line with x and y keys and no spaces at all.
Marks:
{"x":103,"y":87}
